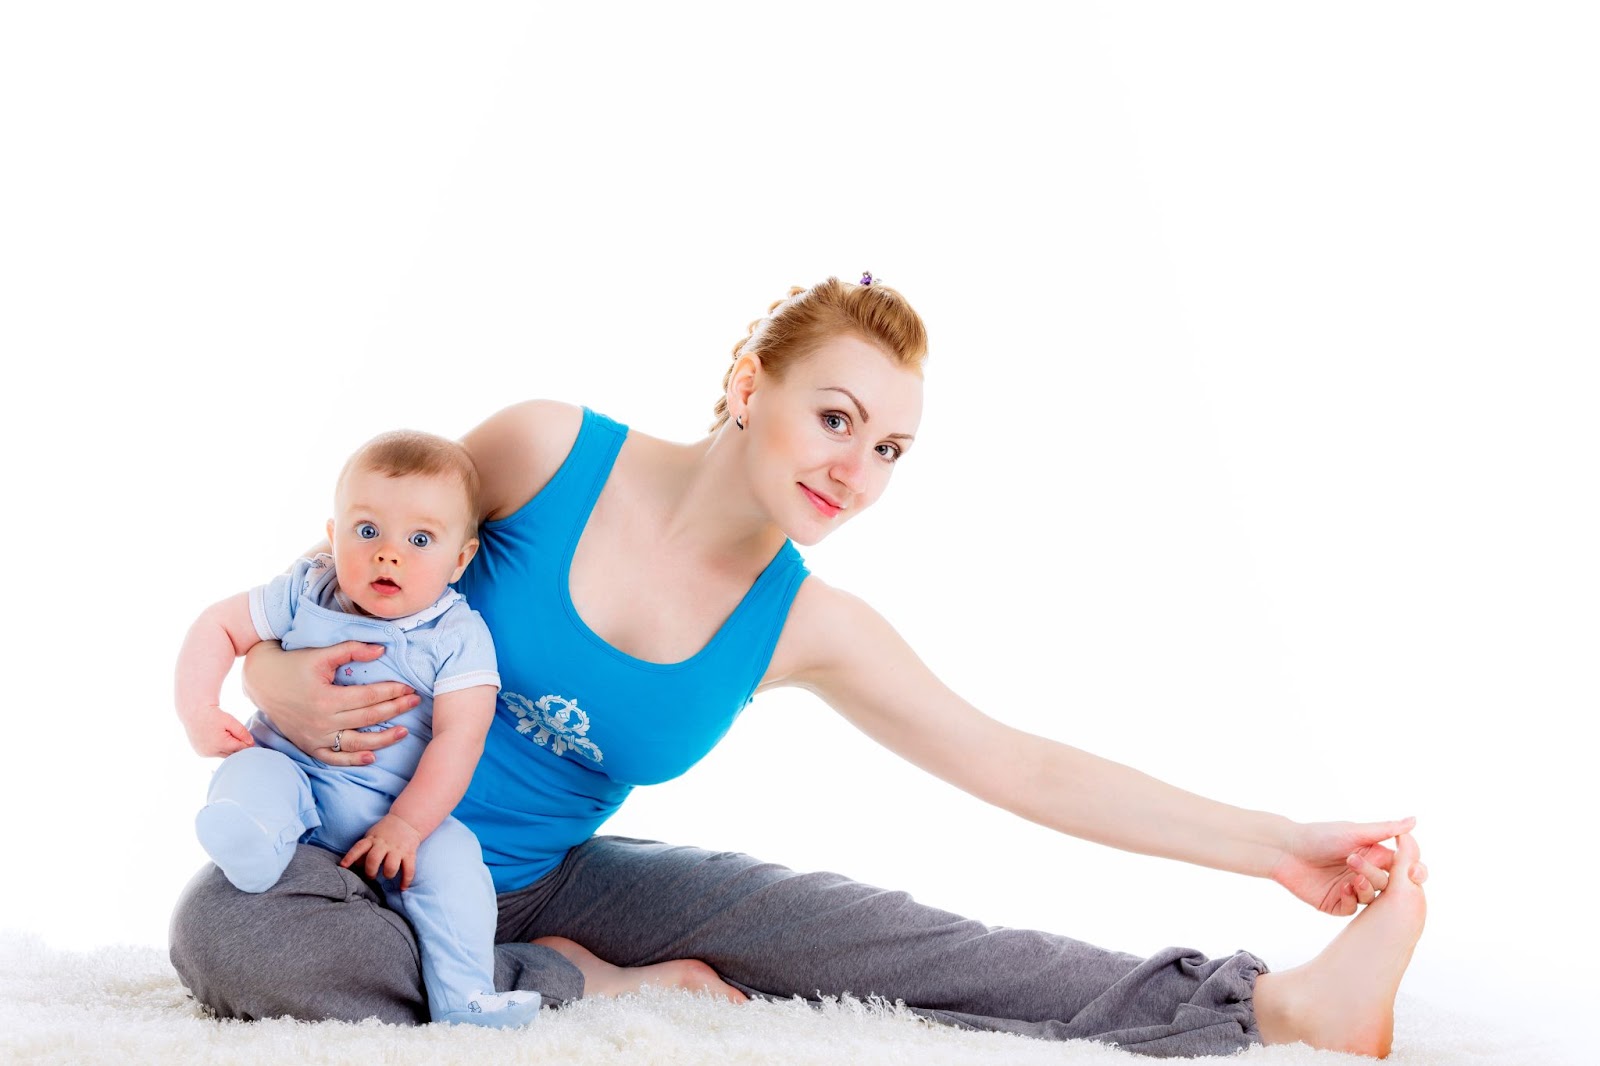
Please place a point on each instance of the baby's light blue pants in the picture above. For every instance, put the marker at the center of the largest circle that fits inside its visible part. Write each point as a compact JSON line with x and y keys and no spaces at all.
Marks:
{"x":451,"y":901}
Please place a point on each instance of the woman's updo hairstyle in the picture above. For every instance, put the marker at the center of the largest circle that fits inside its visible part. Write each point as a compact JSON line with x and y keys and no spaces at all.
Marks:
{"x":806,"y":319}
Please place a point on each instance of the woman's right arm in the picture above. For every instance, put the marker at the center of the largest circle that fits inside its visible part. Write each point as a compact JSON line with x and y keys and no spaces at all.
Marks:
{"x":296,"y":690}
{"x":841,"y":649}
{"x":517,"y":451}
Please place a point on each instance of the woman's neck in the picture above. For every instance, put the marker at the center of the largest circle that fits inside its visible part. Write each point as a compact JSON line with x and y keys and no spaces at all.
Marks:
{"x":708,"y":504}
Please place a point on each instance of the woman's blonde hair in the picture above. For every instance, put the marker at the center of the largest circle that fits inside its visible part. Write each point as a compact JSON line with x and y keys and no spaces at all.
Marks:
{"x":806,"y":319}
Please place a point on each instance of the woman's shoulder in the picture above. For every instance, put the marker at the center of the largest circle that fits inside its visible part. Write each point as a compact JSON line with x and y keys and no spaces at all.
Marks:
{"x":826,"y":628}
{"x":519,"y":449}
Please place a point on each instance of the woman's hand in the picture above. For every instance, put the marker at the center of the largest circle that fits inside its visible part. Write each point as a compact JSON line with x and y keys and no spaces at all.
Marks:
{"x":1339,"y":866}
{"x":296,"y":690}
{"x":390,"y":847}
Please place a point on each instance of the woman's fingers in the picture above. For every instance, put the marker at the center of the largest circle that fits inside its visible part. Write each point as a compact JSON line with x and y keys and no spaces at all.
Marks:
{"x":353,"y":747}
{"x":343,"y":758}
{"x":1376,"y":831}
{"x":1347,"y":904}
{"x":350,"y":651}
{"x":354,"y":740}
{"x":346,"y":747}
{"x":354,"y":706}
{"x":1376,"y":866}
{"x":356,"y":701}
{"x":1373,"y":875}
{"x":357,"y":705}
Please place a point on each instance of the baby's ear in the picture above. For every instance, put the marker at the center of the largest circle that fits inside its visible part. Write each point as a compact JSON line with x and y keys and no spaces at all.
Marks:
{"x":330,"y":533}
{"x":468,"y":550}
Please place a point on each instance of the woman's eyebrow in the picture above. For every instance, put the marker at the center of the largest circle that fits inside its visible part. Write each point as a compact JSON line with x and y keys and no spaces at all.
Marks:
{"x":861,"y":409}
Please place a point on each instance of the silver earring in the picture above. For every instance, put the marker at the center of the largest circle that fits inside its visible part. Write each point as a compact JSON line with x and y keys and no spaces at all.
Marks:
{"x":739,"y":421}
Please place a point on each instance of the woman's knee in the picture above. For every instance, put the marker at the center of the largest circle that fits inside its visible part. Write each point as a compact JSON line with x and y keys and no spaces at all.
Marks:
{"x":319,"y":944}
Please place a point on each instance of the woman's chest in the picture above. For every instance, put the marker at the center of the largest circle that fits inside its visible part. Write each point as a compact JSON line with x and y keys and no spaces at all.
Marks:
{"x":645,"y":598}
{"x":565,"y":690}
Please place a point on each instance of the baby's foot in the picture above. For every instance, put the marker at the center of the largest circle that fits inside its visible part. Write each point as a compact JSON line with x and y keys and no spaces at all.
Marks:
{"x":247,"y":854}
{"x":497,"y":1010}
{"x":601,"y":978}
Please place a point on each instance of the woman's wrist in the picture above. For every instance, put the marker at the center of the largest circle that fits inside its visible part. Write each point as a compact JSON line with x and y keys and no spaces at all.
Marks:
{"x":1276,"y":834}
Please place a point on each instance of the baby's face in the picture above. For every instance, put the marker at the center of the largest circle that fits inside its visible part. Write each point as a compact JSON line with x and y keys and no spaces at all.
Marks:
{"x":398,"y":542}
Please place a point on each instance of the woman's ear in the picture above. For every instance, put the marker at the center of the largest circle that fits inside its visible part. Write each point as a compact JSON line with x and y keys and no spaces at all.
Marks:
{"x":742,"y":382}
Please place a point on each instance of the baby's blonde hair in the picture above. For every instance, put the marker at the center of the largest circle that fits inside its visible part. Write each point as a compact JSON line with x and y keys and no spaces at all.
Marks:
{"x":402,"y":452}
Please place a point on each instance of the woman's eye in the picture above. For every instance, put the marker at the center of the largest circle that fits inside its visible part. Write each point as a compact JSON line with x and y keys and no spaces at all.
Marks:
{"x":890,"y":452}
{"x":836,"y":422}
{"x":366,"y":531}
{"x":420,"y":539}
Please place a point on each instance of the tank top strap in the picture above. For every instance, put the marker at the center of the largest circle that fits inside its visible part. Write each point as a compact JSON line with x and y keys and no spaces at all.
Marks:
{"x":757,"y":622}
{"x":572,"y":491}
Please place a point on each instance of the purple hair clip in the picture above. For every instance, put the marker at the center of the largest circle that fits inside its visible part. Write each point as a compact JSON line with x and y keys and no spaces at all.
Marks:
{"x":866,"y":278}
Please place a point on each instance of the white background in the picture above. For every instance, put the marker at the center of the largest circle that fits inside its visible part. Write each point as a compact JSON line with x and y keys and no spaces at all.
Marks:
{"x":1260,"y":448}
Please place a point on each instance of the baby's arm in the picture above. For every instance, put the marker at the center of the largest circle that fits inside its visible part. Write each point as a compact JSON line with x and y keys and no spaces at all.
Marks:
{"x":220,"y":635}
{"x":460,"y":723}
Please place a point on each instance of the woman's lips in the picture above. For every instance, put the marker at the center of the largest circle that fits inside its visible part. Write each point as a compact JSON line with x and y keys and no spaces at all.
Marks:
{"x":821,"y":503}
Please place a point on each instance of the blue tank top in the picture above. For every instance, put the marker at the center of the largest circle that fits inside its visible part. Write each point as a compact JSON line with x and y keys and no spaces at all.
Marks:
{"x":578,"y":723}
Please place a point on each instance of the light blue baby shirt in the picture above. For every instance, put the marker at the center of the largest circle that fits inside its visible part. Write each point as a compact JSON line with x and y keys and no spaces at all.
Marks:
{"x":442,"y":648}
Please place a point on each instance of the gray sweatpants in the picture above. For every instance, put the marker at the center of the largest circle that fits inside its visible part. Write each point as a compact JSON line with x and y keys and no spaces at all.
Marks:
{"x":320,"y":944}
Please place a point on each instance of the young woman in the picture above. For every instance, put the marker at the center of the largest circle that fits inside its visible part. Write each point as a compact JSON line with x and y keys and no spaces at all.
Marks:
{"x":640,"y":592}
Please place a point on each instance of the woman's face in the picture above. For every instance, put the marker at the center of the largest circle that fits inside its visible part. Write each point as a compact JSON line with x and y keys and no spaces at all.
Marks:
{"x":825,"y":438}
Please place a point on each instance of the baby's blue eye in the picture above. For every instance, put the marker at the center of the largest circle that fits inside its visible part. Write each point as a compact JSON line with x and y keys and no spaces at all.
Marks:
{"x":420,"y":539}
{"x":366,"y":531}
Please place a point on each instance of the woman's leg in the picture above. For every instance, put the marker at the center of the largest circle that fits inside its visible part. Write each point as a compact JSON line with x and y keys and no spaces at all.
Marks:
{"x":771,"y":931}
{"x":601,"y":978}
{"x":1343,"y":1000}
{"x":321,"y":944}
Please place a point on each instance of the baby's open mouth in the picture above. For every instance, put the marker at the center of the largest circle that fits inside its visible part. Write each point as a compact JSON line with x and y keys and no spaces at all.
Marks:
{"x":385,"y":583}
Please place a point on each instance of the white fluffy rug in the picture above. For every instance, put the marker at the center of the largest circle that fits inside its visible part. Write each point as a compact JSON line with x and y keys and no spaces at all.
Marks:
{"x":124,"y":1004}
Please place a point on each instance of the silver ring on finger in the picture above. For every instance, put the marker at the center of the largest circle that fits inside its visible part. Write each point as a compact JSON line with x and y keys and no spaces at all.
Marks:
{"x":336,"y":746}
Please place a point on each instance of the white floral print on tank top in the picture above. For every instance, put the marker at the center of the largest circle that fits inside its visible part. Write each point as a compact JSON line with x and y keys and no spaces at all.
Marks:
{"x":555,"y":722}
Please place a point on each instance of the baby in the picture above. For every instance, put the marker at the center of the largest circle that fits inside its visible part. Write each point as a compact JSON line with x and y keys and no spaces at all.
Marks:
{"x":406,"y":509}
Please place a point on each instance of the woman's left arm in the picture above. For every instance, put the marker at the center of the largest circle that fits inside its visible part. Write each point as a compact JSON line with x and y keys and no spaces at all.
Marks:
{"x":838,"y":647}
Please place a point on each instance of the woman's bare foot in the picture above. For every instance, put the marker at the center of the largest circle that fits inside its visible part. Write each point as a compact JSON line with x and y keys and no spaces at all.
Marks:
{"x":1343,"y":1000}
{"x":600,"y":978}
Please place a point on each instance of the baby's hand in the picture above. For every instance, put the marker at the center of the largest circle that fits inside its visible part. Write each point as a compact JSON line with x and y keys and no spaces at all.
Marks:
{"x":391,"y":846}
{"x":214,"y":731}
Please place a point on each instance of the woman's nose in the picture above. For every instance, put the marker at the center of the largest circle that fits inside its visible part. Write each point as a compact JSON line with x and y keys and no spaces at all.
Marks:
{"x":850,"y":472}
